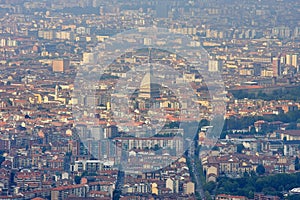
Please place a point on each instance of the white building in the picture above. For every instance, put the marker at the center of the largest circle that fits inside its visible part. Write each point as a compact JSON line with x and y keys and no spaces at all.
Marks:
{"x":214,"y":65}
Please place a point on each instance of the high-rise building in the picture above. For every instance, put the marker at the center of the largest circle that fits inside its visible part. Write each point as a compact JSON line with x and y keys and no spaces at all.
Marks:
{"x":111,"y":132}
{"x":288,"y":59}
{"x":283,"y":59}
{"x":162,"y":9}
{"x":214,"y":65}
{"x":60,"y":65}
{"x":295,"y":60}
{"x":291,"y":60}
{"x":256,"y":69}
{"x":2,"y":42}
{"x":276,"y":66}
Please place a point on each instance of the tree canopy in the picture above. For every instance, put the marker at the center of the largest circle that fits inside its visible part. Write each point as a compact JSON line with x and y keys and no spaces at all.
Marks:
{"x":247,"y":186}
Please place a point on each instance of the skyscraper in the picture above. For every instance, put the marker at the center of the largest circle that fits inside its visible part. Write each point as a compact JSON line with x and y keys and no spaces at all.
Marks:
{"x":288,"y":59}
{"x":162,"y":9}
{"x":276,"y":66}
{"x":295,"y":60}
{"x":214,"y":65}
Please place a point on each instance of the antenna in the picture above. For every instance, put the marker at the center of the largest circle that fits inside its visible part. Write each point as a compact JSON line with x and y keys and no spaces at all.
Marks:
{"x":149,"y":61}
{"x":149,"y":56}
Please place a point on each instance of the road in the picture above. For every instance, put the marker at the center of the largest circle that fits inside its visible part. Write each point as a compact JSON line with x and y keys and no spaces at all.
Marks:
{"x":196,"y":173}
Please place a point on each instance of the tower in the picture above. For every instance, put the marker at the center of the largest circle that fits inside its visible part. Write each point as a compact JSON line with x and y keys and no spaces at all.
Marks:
{"x":56,"y":92}
{"x":149,"y":89}
{"x":276,"y":66}
{"x":288,"y":59}
{"x":295,"y":60}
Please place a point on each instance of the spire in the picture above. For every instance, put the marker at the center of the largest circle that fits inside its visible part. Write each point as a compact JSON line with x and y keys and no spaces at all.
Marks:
{"x":56,"y":92}
{"x":149,"y":89}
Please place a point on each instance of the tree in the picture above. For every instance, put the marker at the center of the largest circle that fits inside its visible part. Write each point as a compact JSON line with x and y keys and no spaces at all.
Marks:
{"x":156,"y":147}
{"x":246,"y":174}
{"x":224,"y":134}
{"x":240,"y":148}
{"x":2,"y":159}
{"x":210,"y":186}
{"x":215,"y":148}
{"x":247,"y":186}
{"x":260,"y":170}
{"x":252,"y":130}
{"x":297,"y":163}
{"x":294,"y":197}
{"x":280,"y":151}
{"x":207,"y":195}
{"x":77,"y":179}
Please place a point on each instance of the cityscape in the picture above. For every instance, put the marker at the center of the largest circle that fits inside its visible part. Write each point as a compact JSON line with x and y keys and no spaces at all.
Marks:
{"x":149,"y":100}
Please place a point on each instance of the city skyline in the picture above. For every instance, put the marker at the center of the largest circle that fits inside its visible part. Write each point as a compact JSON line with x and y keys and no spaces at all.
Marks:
{"x":140,"y":99}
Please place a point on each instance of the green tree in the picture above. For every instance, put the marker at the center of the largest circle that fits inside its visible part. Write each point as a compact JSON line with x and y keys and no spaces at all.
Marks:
{"x":210,"y":186}
{"x":294,"y":197}
{"x":260,"y":170}
{"x":77,"y":179}
{"x":240,"y":148}
{"x":252,"y":130}
{"x":297,"y":163}
{"x":207,"y":195}
{"x":215,"y":148}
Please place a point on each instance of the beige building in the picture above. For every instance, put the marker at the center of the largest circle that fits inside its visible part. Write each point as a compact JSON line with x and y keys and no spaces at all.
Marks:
{"x":290,"y":135}
{"x":173,"y":185}
{"x":62,"y":192}
{"x":189,"y":188}
{"x":60,"y":65}
{"x":295,"y":60}
{"x":212,"y":174}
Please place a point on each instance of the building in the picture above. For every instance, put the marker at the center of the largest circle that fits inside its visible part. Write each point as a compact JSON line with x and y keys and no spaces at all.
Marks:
{"x":60,"y":65}
{"x":4,"y":144}
{"x":295,"y":60}
{"x":46,"y":34}
{"x":149,"y":89}
{"x":189,"y":188}
{"x":87,"y":165}
{"x":172,"y":143}
{"x":111,"y":132}
{"x":27,"y":179}
{"x":63,"y":192}
{"x":260,"y":196}
{"x":289,"y":135}
{"x":288,"y":59}
{"x":173,"y":185}
{"x":230,"y":197}
{"x":276,"y":66}
{"x":89,"y":58}
{"x":65,"y":35}
{"x":295,"y":191}
{"x":290,"y":108}
{"x":214,"y":65}
{"x":256,"y":69}
{"x":162,"y":10}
